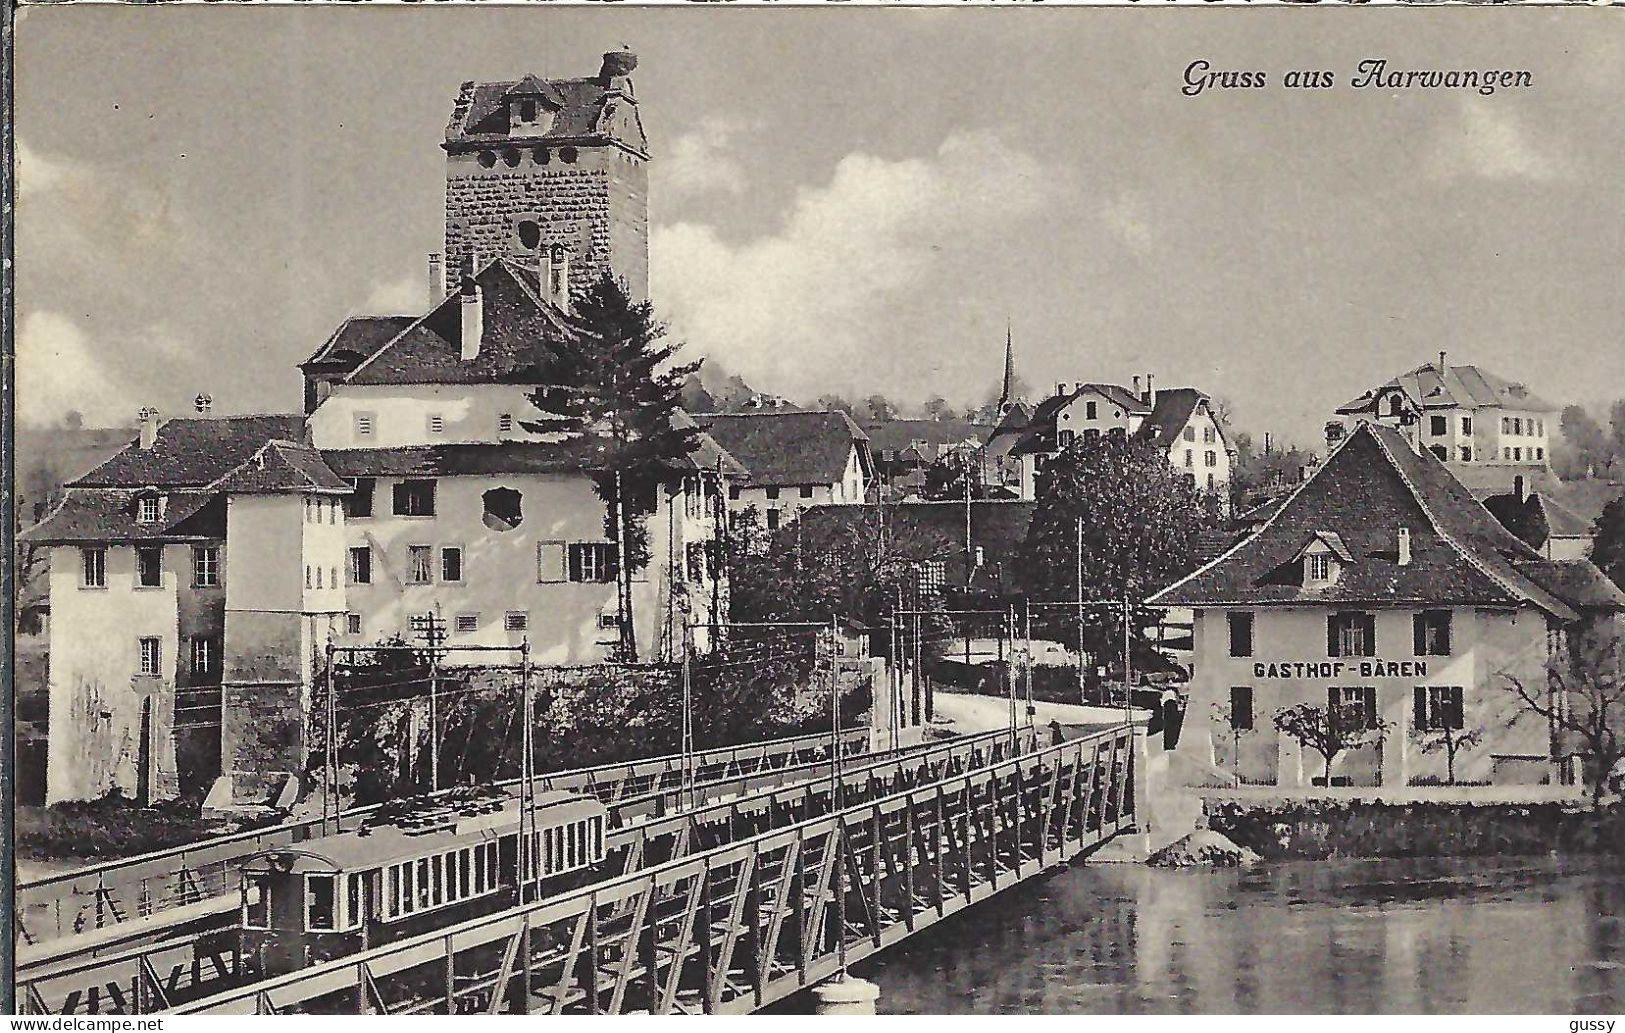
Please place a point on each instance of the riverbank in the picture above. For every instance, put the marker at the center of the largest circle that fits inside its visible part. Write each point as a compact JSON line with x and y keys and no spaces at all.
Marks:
{"x":1317,"y":829}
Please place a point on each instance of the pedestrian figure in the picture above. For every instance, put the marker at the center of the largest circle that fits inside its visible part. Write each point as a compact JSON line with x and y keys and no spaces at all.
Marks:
{"x":1170,"y":718}
{"x":1055,"y":737}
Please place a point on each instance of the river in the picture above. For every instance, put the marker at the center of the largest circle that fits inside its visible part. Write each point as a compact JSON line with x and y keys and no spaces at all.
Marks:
{"x":1539,"y":935}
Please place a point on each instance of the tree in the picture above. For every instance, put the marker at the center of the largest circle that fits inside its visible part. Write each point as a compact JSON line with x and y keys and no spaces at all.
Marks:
{"x":1329,"y":731}
{"x":1608,"y":541}
{"x":948,"y":477}
{"x":612,"y":386}
{"x":937,"y":408}
{"x":835,"y":403}
{"x":1583,"y":699}
{"x":881,"y":409}
{"x":1593,"y":451}
{"x":1450,"y":739}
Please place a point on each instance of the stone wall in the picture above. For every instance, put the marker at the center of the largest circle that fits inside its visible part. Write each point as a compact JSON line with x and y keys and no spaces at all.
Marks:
{"x":262,"y":721}
{"x":596,"y":206}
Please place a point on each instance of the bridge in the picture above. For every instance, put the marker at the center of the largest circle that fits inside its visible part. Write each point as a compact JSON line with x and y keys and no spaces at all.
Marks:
{"x":725,"y":907}
{"x":91,"y":901}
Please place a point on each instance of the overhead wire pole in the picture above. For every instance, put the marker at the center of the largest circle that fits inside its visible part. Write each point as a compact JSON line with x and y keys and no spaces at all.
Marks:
{"x":527,"y":773}
{"x":330,"y":749}
{"x":1083,"y":698}
{"x":687,"y":788}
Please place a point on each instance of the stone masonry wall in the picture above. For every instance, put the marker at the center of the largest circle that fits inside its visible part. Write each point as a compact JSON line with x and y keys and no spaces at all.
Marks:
{"x":596,"y":207}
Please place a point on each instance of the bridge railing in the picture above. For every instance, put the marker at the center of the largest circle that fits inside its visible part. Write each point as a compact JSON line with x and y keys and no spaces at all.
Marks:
{"x":100,"y":895}
{"x":739,"y":926}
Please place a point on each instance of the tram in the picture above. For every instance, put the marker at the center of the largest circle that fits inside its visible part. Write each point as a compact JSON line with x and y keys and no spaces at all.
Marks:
{"x":416,"y":865}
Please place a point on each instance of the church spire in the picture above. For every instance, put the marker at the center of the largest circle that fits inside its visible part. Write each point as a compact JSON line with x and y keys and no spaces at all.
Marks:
{"x":1009,"y":371}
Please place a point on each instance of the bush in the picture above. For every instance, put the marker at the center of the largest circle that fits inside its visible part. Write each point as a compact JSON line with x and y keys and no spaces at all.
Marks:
{"x":110,"y":827}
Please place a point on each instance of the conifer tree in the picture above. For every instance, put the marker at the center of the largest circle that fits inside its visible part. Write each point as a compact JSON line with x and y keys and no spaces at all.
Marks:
{"x":1608,"y":541}
{"x":613,"y":387}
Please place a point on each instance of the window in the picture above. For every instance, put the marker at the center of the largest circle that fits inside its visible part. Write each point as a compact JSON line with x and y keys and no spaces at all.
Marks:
{"x":365,"y":424}
{"x":257,"y":902}
{"x":361,"y":565}
{"x":515,"y":620}
{"x":1241,"y":634}
{"x":1089,"y":410}
{"x":806,"y":491}
{"x":1209,"y":435}
{"x":1439,"y":425}
{"x":527,"y":111}
{"x":1211,"y":458}
{"x":359,"y":502}
{"x":205,"y":655}
{"x":1241,"y":707}
{"x":1466,"y":454}
{"x":1351,"y":634}
{"x":1540,"y":453}
{"x":309,"y":580}
{"x":733,"y":492}
{"x":1189,"y":460}
{"x":146,"y":510}
{"x":1517,"y":424}
{"x":567,"y":155}
{"x":592,"y":561}
{"x":419,"y":564}
{"x":437,"y":423}
{"x":93,"y":563}
{"x":1190,"y":434}
{"x":1317,"y":566}
{"x":414,"y":498}
{"x":352,"y":623}
{"x":1066,"y":438}
{"x":772,"y":520}
{"x":151,"y":657}
{"x":1210,"y":482}
{"x":1432,"y":632}
{"x":608,"y":621}
{"x":468,"y":623}
{"x":451,"y":563}
{"x":487,"y":159}
{"x":1517,"y":455}
{"x":1438,"y":707}
{"x":318,"y":577}
{"x":321,"y":903}
{"x":1439,"y":452}
{"x":510,"y":157}
{"x":205,"y":566}
{"x":1467,"y":425}
{"x":772,"y":493}
{"x":505,"y":423}
{"x":149,"y":566}
{"x":503,"y":509}
{"x":1352,"y":707}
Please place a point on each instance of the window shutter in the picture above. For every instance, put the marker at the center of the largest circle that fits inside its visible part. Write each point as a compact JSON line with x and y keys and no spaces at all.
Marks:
{"x":1457,"y":718}
{"x":1444,"y":633}
{"x":1331,"y":635}
{"x":1419,"y":635}
{"x":1420,"y":708}
{"x":550,"y":561}
{"x":1369,"y":620}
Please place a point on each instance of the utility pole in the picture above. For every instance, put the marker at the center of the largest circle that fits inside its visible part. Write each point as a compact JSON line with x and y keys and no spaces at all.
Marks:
{"x":330,"y":750}
{"x":1128,"y":662}
{"x":1083,"y":697}
{"x":431,"y":629}
{"x":687,"y":790}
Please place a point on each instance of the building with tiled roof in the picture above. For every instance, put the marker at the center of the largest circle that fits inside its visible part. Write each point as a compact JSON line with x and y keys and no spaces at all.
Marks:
{"x":1179,"y":421}
{"x":197,"y":574}
{"x":1379,"y":586}
{"x":792,"y":460}
{"x":1485,"y":428}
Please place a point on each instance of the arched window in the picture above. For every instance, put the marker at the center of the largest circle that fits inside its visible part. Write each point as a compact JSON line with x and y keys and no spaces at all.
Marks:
{"x":488,"y":158}
{"x":1440,"y":451}
{"x":510,"y":158}
{"x":1396,"y":405}
{"x":503,"y":510}
{"x":541,"y":156}
{"x":530,"y":234}
{"x":567,"y":155}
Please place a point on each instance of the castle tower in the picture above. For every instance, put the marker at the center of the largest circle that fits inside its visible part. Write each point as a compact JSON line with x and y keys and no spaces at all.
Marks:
{"x":540,"y":163}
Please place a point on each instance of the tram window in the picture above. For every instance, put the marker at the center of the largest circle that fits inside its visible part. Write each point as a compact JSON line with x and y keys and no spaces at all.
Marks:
{"x":392,"y":891}
{"x":463,"y":887}
{"x":491,"y":865}
{"x":598,"y":836}
{"x":423,"y":883}
{"x":319,"y":903}
{"x":352,"y":901}
{"x":257,"y":902}
{"x":436,"y":890}
{"x":570,"y":844}
{"x":479,"y":869}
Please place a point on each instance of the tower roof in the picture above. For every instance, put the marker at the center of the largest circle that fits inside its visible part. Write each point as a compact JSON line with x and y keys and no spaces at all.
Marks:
{"x":593,"y":110}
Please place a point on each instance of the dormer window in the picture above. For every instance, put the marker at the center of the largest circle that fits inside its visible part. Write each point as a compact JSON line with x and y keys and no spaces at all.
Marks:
{"x":1322,"y":560}
{"x":147,"y":509}
{"x":1318,"y":568}
{"x":527,"y":111}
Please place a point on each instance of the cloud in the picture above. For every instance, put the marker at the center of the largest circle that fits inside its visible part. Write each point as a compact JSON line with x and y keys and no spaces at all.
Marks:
{"x":701,"y":161}
{"x":58,"y":372}
{"x":1128,"y":218}
{"x":811,"y":304}
{"x":38,"y":175}
{"x":405,"y":296}
{"x":1490,"y":142}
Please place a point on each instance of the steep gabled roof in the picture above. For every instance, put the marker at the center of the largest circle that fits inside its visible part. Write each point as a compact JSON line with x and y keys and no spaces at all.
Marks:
{"x":584,"y":110}
{"x":1371,"y":486}
{"x":1172,"y":411}
{"x":789,"y":448}
{"x":193,"y":452}
{"x":1453,"y":387}
{"x":356,"y":340}
{"x":516,"y":329}
{"x":88,"y":515}
{"x":280,"y":467}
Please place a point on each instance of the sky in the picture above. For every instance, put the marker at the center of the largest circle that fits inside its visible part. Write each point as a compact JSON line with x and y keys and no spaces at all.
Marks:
{"x":847,"y":199}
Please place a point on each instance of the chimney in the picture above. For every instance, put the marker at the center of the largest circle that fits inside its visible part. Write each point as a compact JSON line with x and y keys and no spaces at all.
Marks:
{"x":1136,"y":385}
{"x":1404,"y":546}
{"x":437,"y":279}
{"x":558,"y":277}
{"x":617,"y":64}
{"x":1150,"y":392}
{"x":473,"y":317}
{"x":149,"y":427}
{"x":1060,"y":388}
{"x":1517,"y":488}
{"x":1442,"y":366}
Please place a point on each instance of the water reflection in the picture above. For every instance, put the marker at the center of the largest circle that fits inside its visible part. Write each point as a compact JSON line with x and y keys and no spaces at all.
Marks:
{"x":1524,"y":935}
